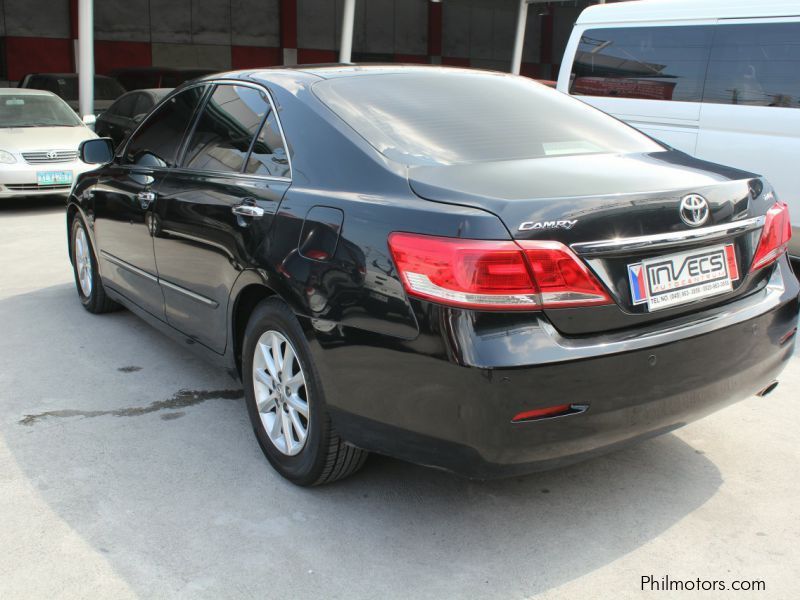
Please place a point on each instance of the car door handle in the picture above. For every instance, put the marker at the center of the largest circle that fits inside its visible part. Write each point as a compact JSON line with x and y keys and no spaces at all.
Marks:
{"x":145,"y":199}
{"x":247,"y":210}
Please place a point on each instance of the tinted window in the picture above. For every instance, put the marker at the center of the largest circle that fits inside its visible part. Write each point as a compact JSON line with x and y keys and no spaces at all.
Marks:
{"x":655,"y":63}
{"x":124,"y":106}
{"x":143,"y":105}
{"x":459,"y":117}
{"x":105,"y":88}
{"x":226,"y":128}
{"x":755,"y":64}
{"x":269,"y":155}
{"x":45,"y":83}
{"x":158,"y":140}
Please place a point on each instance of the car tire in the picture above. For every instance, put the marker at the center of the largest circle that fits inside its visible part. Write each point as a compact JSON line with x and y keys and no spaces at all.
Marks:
{"x":281,"y":382}
{"x":91,"y":292}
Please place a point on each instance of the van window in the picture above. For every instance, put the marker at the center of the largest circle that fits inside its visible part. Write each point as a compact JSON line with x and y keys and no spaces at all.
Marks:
{"x":653,"y":63}
{"x":755,"y":64}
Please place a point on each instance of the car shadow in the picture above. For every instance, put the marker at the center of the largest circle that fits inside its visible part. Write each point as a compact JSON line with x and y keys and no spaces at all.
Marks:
{"x":10,"y":206}
{"x":148,"y":455}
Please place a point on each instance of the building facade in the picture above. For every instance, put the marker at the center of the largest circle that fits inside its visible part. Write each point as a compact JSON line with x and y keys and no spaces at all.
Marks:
{"x":39,"y":35}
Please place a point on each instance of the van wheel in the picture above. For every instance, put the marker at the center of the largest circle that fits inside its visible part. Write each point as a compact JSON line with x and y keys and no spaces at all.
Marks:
{"x":91,"y":292}
{"x":286,"y":403}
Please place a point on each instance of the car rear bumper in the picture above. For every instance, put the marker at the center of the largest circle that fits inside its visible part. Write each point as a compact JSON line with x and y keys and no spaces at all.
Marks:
{"x":437,"y":401}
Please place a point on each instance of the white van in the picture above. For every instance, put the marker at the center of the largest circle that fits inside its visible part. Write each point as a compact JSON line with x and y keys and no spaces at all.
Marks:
{"x":717,"y":79}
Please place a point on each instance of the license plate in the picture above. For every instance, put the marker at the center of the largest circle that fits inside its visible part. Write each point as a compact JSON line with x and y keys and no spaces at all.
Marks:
{"x":681,"y":278}
{"x":54,"y":177}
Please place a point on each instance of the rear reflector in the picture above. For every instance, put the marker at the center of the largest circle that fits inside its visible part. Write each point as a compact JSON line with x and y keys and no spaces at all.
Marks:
{"x":775,"y":236}
{"x":542,"y":413}
{"x":494,"y":275}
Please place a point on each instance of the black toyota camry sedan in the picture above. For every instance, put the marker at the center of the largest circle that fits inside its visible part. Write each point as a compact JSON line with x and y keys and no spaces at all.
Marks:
{"x":462,"y":269}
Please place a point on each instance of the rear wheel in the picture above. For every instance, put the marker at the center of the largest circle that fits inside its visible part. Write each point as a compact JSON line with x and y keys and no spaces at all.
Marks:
{"x":91,"y":292}
{"x":286,"y":404}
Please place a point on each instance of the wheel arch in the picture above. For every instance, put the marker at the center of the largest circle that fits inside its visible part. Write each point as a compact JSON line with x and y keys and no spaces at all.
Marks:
{"x":72,"y":210}
{"x":248,"y":296}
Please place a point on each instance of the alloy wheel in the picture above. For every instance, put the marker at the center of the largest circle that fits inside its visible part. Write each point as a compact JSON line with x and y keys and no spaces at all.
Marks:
{"x":83,"y":261}
{"x":281,"y":393}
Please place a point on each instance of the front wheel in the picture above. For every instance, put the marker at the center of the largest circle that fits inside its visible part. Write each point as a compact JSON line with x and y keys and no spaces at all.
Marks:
{"x":91,"y":292}
{"x":285,"y":401}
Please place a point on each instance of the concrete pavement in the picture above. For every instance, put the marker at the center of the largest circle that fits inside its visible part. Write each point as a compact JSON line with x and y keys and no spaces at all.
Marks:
{"x":128,"y":470}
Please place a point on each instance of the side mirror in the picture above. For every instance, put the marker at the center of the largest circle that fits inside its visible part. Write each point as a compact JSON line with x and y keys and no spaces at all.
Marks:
{"x":89,"y":121}
{"x":99,"y":151}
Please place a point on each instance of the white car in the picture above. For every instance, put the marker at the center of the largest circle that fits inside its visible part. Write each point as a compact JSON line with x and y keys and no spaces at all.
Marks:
{"x":39,"y":139}
{"x":717,"y":79}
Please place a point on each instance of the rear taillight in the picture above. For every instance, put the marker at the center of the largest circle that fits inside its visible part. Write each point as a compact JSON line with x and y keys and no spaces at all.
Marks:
{"x":775,"y":236}
{"x":561,"y":278}
{"x":493,"y":275}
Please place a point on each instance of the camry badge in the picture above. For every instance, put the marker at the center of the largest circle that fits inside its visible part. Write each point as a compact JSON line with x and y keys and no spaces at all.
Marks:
{"x":562,"y":224}
{"x":694,"y":210}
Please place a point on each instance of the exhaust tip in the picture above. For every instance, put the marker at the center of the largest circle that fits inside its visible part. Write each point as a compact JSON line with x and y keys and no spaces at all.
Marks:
{"x":767,"y":390}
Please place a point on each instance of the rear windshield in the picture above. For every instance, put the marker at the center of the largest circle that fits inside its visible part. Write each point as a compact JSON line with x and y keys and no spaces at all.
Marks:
{"x":452,"y":118}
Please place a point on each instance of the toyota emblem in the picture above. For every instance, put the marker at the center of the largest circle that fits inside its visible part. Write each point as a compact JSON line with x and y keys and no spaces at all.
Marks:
{"x":694,"y":210}
{"x":52,"y":154}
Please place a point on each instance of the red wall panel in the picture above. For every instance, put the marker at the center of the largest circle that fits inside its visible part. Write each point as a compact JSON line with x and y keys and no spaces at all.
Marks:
{"x":37,"y":55}
{"x":251,"y":57}
{"x":288,"y":23}
{"x":434,"y":29}
{"x":115,"y":55}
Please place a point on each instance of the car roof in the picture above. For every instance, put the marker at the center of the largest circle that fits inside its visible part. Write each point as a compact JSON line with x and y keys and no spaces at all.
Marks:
{"x":665,"y":10}
{"x":66,"y":75}
{"x":152,"y":91}
{"x":25,"y":92}
{"x":309,"y":74}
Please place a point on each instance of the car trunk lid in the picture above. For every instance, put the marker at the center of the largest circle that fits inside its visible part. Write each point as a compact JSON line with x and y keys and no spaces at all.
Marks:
{"x":616,"y":212}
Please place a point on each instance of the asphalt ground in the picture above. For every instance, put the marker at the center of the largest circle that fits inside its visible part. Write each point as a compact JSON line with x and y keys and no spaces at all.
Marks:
{"x":128,"y":469}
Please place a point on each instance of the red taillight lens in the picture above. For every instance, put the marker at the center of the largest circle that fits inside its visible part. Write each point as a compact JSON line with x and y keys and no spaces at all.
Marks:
{"x":542,"y":413}
{"x":563,"y":280}
{"x":469,"y":273}
{"x":485,"y":274}
{"x":775,"y":236}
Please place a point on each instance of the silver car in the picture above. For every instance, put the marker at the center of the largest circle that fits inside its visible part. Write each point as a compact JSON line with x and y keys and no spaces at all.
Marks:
{"x":39,"y":139}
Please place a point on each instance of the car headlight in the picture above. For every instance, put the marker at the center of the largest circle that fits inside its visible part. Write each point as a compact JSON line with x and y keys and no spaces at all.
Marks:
{"x":7,"y":158}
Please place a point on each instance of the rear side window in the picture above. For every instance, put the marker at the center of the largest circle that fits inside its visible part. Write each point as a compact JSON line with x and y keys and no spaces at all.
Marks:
{"x":755,"y":64}
{"x":226,"y":128}
{"x":653,"y":63}
{"x":269,"y":155}
{"x":156,"y":143}
{"x":124,"y":106}
{"x":143,"y":105}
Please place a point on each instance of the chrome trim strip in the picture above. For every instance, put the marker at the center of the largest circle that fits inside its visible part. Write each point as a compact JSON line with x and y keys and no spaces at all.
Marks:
{"x":199,"y":240}
{"x":136,"y":270}
{"x":192,"y":295}
{"x":127,"y":266}
{"x":667,"y":240}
